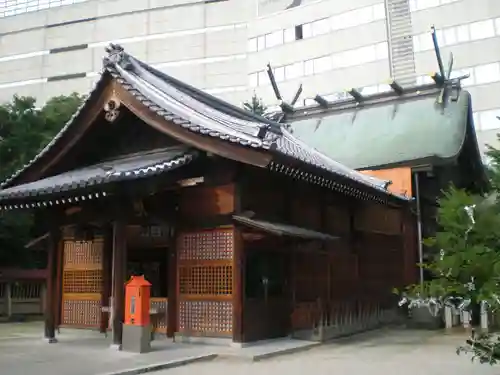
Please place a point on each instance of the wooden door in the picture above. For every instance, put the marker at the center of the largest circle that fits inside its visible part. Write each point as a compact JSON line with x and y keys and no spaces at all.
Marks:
{"x":267,"y":295}
{"x":82,"y":283}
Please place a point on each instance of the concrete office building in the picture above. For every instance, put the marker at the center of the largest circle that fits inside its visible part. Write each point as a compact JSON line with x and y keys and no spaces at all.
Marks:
{"x":52,"y":47}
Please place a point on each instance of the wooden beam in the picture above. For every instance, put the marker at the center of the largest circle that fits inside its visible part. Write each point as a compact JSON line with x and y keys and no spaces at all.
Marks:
{"x":51,"y":290}
{"x":172,"y":284}
{"x":107,"y":256}
{"x":119,"y":268}
{"x":238,"y":287}
{"x":238,"y":273}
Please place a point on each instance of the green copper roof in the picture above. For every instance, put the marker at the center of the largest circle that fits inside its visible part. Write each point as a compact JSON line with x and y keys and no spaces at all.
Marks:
{"x":417,"y":131}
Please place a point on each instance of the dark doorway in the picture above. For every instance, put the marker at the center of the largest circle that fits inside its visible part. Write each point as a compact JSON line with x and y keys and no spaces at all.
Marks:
{"x":267,"y":296}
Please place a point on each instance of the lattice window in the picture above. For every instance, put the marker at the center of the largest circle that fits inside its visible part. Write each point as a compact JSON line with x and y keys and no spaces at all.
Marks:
{"x":206,"y":317}
{"x":160,"y":320}
{"x":212,"y":280}
{"x":81,"y":313}
{"x":207,"y":245}
{"x":82,"y":281}
{"x":78,"y":253}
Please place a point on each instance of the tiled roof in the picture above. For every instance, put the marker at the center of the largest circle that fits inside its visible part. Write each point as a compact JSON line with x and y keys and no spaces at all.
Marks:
{"x":202,"y":113}
{"x":131,"y":167}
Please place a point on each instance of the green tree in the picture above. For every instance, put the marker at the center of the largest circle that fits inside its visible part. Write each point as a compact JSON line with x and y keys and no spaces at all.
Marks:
{"x":255,"y":105}
{"x":24,"y":130}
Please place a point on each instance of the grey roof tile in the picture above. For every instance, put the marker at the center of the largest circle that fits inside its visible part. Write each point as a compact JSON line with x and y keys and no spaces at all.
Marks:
{"x":131,"y":167}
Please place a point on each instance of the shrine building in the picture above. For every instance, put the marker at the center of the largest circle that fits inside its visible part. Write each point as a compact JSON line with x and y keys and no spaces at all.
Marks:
{"x":244,"y":231}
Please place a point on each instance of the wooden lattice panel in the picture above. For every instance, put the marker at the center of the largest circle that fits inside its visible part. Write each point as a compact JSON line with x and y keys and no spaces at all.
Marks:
{"x":207,"y":245}
{"x":160,"y":320}
{"x":215,"y":280}
{"x":80,"y":253}
{"x":82,"y":281}
{"x":81,"y":312}
{"x":206,"y":317}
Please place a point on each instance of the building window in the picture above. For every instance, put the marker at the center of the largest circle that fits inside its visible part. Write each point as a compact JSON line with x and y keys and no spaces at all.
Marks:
{"x":320,"y":27}
{"x":306,"y":30}
{"x":308,"y":67}
{"x":279,"y":74}
{"x":289,"y":35}
{"x":488,"y":120}
{"x":322,"y":64}
{"x":263,"y":78}
{"x":261,"y":43}
{"x":482,"y":30}
{"x":463,"y":33}
{"x":252,"y":45}
{"x":294,"y":70}
{"x":274,"y":39}
{"x":299,"y":32}
{"x":253,"y":80}
{"x":450,"y":36}
{"x":487,"y":73}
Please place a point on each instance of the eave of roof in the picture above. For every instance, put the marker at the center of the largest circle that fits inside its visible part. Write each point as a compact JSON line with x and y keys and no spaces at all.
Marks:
{"x":130,"y":167}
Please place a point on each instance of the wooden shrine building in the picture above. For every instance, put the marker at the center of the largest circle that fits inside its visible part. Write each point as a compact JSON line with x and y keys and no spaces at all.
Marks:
{"x":245,"y":232}
{"x":422,"y":138}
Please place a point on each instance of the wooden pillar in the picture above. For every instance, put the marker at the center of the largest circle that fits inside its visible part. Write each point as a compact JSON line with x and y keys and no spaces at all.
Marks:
{"x":119,"y":265}
{"x":59,"y":286}
{"x":238,"y":287}
{"x":172,"y":284}
{"x":106,"y":278}
{"x":51,"y":298}
{"x":8,"y":299}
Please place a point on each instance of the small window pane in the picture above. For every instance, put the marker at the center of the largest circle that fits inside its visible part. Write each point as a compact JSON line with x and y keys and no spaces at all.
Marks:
{"x":416,"y":43}
{"x":274,"y":39}
{"x":489,"y":120}
{"x":253,"y":80}
{"x":450,"y":36}
{"x":463,"y":33}
{"x":308,"y":67}
{"x":252,"y":45}
{"x":487,"y":73}
{"x":475,"y":116}
{"x":279,"y":74}
{"x":426,"y":42}
{"x":289,"y":35}
{"x":261,"y":43}
{"x":306,"y":30}
{"x":263,"y":78}
{"x":482,"y":30}
{"x":320,"y":27}
{"x":294,"y":70}
{"x":322,"y":64}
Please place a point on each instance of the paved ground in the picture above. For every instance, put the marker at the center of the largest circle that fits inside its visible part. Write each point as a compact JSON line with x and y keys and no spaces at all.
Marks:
{"x":383,"y":352}
{"x":78,"y":352}
{"x":388,"y":351}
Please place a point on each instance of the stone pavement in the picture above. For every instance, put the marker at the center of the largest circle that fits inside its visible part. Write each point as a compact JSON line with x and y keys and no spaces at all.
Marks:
{"x":383,"y":352}
{"x":79,"y":352}
{"x":82,"y":352}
